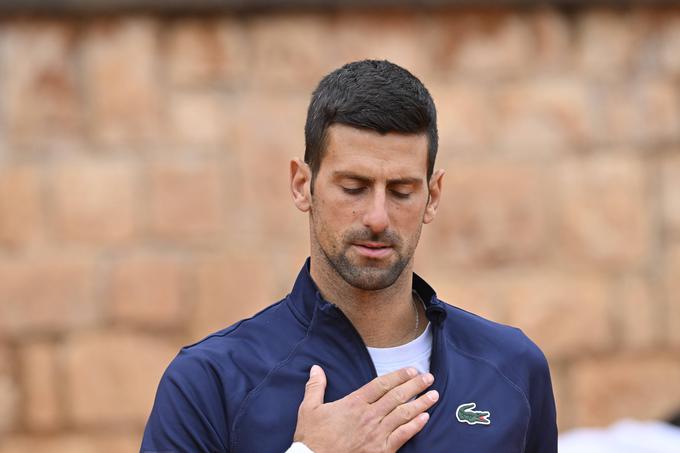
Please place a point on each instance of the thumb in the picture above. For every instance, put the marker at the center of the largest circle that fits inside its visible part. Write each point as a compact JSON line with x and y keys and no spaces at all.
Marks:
{"x":315,"y":387}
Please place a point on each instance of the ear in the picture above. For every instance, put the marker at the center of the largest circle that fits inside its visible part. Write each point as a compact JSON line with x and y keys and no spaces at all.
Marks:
{"x":435,"y":186}
{"x":300,"y":180}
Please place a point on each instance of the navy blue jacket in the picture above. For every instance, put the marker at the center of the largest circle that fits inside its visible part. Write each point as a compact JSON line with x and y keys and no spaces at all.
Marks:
{"x":239,"y":389}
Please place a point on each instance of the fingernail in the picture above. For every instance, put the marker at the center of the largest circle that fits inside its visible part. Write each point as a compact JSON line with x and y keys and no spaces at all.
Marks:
{"x":433,"y":395}
{"x":424,"y":417}
{"x":428,"y":378}
{"x":412,"y":372}
{"x":314,"y":371}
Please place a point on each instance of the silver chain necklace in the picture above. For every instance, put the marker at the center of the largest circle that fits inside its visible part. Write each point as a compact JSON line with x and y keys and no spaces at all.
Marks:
{"x":416,"y":299}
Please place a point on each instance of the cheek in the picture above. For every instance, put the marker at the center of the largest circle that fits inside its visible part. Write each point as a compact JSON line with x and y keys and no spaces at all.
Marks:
{"x":340,"y":212}
{"x":408,"y":216}
{"x":331,"y":221}
{"x":408,"y":222}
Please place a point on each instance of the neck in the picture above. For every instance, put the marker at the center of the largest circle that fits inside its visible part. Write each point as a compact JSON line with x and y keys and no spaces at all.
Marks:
{"x":385,"y":317}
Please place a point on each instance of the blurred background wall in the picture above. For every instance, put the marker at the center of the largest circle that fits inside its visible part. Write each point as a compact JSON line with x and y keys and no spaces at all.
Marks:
{"x":144,"y":200}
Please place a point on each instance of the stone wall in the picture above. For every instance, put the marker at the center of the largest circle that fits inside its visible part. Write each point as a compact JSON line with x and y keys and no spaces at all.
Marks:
{"x":144,"y":200}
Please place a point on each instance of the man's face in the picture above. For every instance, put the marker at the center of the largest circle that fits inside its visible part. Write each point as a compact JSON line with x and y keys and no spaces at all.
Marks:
{"x":369,"y":202}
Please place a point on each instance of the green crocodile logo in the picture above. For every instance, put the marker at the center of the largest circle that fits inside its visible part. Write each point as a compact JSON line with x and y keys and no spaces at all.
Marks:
{"x":466,"y":414}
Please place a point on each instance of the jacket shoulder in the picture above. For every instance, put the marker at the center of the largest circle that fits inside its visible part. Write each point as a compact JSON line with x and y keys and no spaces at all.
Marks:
{"x":206,"y":383}
{"x":519,"y":360}
{"x":505,"y":347}
{"x":264,"y":336}
{"x":237,"y":357}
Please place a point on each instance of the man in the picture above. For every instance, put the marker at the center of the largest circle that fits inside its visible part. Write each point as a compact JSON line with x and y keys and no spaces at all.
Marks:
{"x":304,"y":370}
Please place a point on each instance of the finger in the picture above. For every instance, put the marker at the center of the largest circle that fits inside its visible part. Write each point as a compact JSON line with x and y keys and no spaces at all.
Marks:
{"x":407,"y":412}
{"x":405,"y":432}
{"x":379,"y":386}
{"x":402,"y":394}
{"x":315,"y":387}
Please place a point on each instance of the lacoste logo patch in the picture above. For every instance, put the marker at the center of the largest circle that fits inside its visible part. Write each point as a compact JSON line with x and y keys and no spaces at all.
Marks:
{"x":466,"y":414}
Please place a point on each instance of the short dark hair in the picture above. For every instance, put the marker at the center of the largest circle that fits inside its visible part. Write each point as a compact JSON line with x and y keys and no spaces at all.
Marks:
{"x":370,"y":94}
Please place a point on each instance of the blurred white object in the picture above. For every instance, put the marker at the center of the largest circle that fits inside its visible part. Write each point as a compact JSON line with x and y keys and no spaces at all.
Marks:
{"x":626,"y":436}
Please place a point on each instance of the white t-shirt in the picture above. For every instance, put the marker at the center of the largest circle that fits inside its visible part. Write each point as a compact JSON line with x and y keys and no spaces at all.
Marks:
{"x":415,"y":353}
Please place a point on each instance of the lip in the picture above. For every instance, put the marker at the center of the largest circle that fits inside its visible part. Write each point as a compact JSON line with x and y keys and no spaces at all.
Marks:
{"x":374,"y":250}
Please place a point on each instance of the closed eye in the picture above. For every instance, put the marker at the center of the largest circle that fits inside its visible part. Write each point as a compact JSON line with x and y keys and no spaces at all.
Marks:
{"x":400,"y":194}
{"x":353,"y":191}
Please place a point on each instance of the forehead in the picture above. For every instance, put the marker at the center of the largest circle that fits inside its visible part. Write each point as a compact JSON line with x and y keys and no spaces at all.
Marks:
{"x":371,"y":153}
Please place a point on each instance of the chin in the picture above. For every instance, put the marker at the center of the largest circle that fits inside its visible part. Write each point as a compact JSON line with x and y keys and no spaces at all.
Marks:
{"x":372,"y":285}
{"x":370,"y":278}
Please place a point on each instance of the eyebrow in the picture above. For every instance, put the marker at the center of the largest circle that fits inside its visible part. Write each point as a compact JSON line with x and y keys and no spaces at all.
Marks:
{"x":358,"y":177}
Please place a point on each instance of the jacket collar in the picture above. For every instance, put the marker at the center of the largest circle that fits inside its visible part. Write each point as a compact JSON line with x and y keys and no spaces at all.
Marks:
{"x":306,"y":297}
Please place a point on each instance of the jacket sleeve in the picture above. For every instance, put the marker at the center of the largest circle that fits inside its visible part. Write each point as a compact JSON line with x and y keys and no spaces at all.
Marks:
{"x":542,"y":433}
{"x":189,"y":410}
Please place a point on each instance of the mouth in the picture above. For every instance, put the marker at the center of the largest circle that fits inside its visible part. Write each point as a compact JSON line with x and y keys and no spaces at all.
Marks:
{"x":373,"y":250}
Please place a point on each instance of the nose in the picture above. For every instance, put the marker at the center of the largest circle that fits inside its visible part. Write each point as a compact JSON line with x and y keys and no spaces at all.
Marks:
{"x":376,"y":217}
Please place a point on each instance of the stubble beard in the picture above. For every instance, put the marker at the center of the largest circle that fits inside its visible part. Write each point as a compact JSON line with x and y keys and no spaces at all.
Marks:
{"x":366,"y":277}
